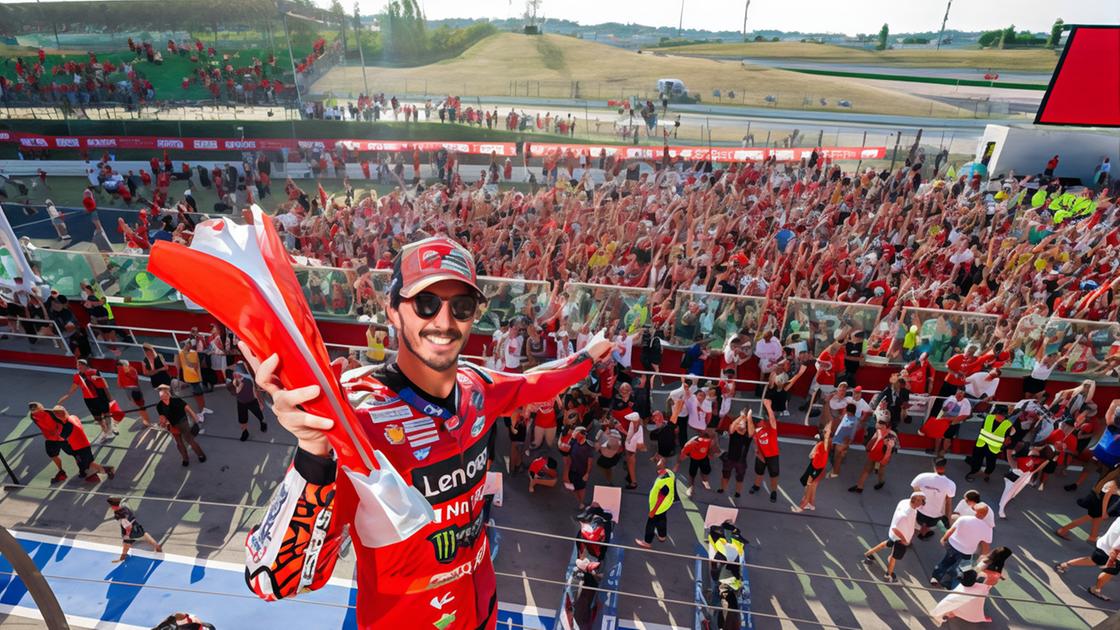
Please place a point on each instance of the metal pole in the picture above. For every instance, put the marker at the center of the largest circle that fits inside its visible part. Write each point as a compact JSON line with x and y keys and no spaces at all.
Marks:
{"x":33,"y":581}
{"x":680,"y":24}
{"x":361,"y":52}
{"x":862,"y":144}
{"x":745,"y":9}
{"x":941,"y":35}
{"x":894,"y":154}
{"x":292,"y":58}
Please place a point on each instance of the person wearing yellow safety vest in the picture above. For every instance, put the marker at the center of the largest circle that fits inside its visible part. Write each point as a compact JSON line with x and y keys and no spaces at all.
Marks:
{"x":726,"y":552}
{"x":662,"y":496}
{"x":994,"y":434}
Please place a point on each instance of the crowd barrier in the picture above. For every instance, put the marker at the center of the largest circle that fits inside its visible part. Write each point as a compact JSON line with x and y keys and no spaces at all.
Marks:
{"x":501,"y":149}
{"x":1086,"y":349}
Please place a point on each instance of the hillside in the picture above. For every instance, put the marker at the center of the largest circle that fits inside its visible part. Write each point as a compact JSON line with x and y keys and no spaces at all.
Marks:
{"x":565,"y":67}
{"x":1034,"y":59}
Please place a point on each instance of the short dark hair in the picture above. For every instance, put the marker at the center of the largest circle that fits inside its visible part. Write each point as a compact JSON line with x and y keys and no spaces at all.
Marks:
{"x":113,"y":501}
{"x":972,"y":495}
{"x":940,"y":462}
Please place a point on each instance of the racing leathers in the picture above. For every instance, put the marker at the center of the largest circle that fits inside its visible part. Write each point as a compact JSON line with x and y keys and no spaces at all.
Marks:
{"x":440,"y":577}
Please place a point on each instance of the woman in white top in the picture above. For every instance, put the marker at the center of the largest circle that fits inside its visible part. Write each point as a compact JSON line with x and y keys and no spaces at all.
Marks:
{"x":966,"y":601}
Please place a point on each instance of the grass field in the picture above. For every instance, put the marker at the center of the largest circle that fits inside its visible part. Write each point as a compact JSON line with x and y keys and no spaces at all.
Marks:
{"x":553,"y":64}
{"x":1035,"y":59}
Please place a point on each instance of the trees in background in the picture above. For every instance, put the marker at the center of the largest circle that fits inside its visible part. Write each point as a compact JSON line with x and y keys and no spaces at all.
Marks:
{"x":884,"y":33}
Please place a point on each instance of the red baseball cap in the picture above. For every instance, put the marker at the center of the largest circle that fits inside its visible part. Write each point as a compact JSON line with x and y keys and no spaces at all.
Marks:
{"x":421,"y":264}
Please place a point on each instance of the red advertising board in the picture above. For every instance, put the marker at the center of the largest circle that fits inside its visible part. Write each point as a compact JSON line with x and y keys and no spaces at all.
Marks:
{"x":500,"y":149}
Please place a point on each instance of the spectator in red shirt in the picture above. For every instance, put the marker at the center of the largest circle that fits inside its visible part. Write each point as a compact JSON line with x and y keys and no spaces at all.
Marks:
{"x":818,"y":462}
{"x":766,"y":451}
{"x":699,"y":450}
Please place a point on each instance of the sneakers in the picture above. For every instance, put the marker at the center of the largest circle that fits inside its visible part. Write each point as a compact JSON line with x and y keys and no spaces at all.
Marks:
{"x":719,"y":491}
{"x":707,"y":486}
{"x":856,"y":489}
{"x":244,"y":434}
{"x":969,"y":477}
{"x":833,"y":475}
{"x":753,"y":490}
{"x":186,"y":463}
{"x":206,"y":410}
{"x":796,"y":509}
{"x":59,"y":478}
{"x":934,"y":582}
{"x":773,"y":496}
{"x":879,"y":486}
{"x":1070,"y":487}
{"x":110,"y":471}
{"x":810,"y":507}
{"x":688,"y":492}
{"x":868,"y":560}
{"x":890,"y":578}
{"x":93,"y":478}
{"x":202,"y":459}
{"x":105,"y":437}
{"x":569,"y":486}
{"x":737,"y":495}
{"x":643,"y":544}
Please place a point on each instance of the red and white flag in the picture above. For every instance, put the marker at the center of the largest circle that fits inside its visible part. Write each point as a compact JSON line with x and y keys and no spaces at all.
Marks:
{"x":243,"y":276}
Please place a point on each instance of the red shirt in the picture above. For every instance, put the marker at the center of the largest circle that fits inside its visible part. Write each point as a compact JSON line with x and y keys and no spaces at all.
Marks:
{"x":127,"y":379}
{"x":826,"y":373}
{"x":766,"y":440}
{"x":697,"y":448}
{"x":90,"y":384}
{"x":48,"y":425}
{"x":819,"y":456}
{"x":77,"y":439}
{"x":545,"y":417}
{"x":89,"y":203}
{"x":958,"y":366}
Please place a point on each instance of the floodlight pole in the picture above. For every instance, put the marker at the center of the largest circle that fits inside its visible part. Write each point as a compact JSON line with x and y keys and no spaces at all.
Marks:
{"x":944,"y":20}
{"x":680,"y":24}
{"x":292,"y":58}
{"x":745,"y":9}
{"x":361,"y":53}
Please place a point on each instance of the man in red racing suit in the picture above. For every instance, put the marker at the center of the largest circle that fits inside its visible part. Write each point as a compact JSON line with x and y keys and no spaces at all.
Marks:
{"x":434,"y":421}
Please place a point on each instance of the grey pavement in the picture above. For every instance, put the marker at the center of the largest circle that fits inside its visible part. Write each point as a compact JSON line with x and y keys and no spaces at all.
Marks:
{"x":208,"y":520}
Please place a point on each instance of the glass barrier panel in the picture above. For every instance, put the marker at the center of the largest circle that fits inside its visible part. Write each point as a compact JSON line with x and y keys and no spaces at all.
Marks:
{"x":940,"y":334}
{"x":131,"y":280}
{"x":1083,"y":347}
{"x":811,"y":324}
{"x":64,"y":271}
{"x":603,"y":306}
{"x":371,"y":295}
{"x":329,"y":291}
{"x":715,"y":317}
{"x":508,"y":298}
{"x":1027,"y":341}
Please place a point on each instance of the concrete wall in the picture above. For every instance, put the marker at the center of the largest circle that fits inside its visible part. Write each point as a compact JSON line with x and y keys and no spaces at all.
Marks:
{"x":1026,"y":150}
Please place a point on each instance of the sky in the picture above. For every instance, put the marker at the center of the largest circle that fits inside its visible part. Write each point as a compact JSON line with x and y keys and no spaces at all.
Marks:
{"x":835,"y":16}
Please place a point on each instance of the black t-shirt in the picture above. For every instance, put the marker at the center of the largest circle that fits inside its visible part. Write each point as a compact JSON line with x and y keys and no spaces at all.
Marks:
{"x":395,"y":380}
{"x":778,"y":399}
{"x":666,"y":438}
{"x":738,"y":445}
{"x":853,"y":350}
{"x":174,"y":410}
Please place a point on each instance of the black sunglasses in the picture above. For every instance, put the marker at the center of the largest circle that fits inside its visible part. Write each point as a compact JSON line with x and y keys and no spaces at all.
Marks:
{"x":428,"y":305}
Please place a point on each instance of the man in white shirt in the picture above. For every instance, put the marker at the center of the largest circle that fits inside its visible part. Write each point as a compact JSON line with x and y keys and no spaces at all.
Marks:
{"x":769,"y":353}
{"x":511,"y":350}
{"x":703,"y":411}
{"x":981,"y":386}
{"x":956,"y":410}
{"x":967,"y":507}
{"x":683,"y":408}
{"x":1104,"y":556}
{"x":900,"y":534}
{"x":968,"y":535}
{"x":939,"y":491}
{"x":499,"y":337}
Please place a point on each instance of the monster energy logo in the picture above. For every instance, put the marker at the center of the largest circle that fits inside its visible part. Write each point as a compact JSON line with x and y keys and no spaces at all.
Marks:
{"x":446,"y":542}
